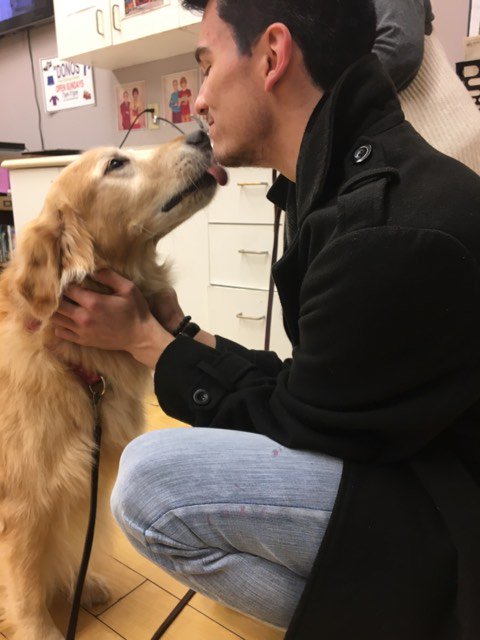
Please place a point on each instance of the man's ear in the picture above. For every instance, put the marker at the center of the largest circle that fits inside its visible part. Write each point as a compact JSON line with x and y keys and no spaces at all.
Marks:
{"x":53,"y":251}
{"x":278,"y":43}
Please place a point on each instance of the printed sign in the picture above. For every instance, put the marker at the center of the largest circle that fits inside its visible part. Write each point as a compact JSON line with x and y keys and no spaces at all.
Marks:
{"x":66,"y":85}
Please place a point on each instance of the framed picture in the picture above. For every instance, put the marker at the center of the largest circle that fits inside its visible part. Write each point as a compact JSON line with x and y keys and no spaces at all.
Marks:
{"x":130,"y":101}
{"x":180,"y":90}
{"x":137,"y":6}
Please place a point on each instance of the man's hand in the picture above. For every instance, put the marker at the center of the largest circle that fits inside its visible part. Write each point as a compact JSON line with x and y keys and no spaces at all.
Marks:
{"x":121,"y":321}
{"x":166,"y":309}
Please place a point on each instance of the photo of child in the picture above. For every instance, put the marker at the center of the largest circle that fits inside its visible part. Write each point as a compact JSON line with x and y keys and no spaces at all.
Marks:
{"x":180,"y":91}
{"x":130,"y":103}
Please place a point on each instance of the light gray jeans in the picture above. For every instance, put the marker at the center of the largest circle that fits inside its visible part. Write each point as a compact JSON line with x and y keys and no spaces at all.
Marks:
{"x":233,"y":515}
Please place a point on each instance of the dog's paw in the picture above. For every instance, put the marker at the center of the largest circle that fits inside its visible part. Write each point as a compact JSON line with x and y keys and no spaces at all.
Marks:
{"x":95,"y":591}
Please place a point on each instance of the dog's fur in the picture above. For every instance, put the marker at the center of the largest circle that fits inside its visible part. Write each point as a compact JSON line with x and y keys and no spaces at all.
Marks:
{"x":92,"y":218}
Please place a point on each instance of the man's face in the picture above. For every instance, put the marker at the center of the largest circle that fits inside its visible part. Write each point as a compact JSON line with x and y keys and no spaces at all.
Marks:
{"x":232,"y":95}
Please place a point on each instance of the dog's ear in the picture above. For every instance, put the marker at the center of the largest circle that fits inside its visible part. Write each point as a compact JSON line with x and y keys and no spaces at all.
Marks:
{"x":53,"y":251}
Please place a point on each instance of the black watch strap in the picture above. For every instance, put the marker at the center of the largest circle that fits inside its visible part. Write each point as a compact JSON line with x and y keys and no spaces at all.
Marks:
{"x":190,"y":330}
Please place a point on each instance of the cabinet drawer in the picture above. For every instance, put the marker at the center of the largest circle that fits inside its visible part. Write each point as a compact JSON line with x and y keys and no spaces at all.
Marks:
{"x":240,"y":315}
{"x":241,"y":254}
{"x":243,"y":199}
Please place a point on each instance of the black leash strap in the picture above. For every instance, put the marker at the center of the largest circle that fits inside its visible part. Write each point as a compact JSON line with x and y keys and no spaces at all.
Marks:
{"x":271,"y":288}
{"x":97,"y":390}
{"x":173,"y":614}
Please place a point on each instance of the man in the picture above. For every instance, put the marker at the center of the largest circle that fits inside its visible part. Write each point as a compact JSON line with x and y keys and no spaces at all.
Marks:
{"x":335,"y":493}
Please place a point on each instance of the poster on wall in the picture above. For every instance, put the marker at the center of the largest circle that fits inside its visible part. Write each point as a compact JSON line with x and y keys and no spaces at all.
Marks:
{"x":180,"y":90}
{"x":474,"y":21}
{"x":139,"y":6}
{"x":130,"y":102}
{"x":66,"y":85}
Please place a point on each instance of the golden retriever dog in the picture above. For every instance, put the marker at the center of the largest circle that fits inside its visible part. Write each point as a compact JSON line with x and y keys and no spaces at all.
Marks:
{"x":108,"y":208}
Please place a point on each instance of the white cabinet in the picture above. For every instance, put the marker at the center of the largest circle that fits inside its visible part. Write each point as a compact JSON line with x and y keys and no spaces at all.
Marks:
{"x":185,"y":249}
{"x":240,"y":314}
{"x":240,"y":236}
{"x":103,"y":36}
{"x":241,"y":255}
{"x":244,"y":200}
{"x":30,"y":180}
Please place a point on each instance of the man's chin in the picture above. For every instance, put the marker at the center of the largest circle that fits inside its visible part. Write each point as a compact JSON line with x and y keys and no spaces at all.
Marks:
{"x":231,"y":158}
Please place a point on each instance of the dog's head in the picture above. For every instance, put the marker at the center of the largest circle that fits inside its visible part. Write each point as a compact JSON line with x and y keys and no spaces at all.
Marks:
{"x":109,"y":208}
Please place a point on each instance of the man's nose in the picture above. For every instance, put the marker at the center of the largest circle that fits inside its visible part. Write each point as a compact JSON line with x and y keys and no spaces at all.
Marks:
{"x":199,"y":139}
{"x":200,"y":105}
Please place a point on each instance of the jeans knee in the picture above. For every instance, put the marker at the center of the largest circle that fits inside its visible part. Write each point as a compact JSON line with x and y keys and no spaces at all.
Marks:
{"x":141,"y":489}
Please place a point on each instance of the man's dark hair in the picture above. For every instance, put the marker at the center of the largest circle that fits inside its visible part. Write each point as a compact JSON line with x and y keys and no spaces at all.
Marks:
{"x":332,"y":34}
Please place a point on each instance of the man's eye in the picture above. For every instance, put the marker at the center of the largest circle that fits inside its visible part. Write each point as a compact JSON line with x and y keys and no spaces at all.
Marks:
{"x":116,"y":163}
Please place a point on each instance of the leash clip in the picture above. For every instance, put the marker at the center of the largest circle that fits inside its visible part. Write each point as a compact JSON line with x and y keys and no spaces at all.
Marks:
{"x":97,"y":389}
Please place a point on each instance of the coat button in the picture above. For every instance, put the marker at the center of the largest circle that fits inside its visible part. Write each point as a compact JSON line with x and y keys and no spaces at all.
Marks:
{"x":362,"y":153}
{"x":201,"y":397}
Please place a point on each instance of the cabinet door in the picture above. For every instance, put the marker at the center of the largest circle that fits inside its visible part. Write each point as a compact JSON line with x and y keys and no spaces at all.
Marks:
{"x":185,"y":249}
{"x":189,"y":19}
{"x":240,"y":315}
{"x":145,"y":23}
{"x":84,"y":31}
{"x":149,"y":35}
{"x":29,"y":189}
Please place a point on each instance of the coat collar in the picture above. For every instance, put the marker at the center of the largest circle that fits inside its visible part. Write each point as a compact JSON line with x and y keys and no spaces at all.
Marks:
{"x":362,"y":103}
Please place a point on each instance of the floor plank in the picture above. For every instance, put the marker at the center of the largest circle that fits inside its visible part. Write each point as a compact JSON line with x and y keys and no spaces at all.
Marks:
{"x":246,"y":627}
{"x":139,"y":615}
{"x":124,"y":552}
{"x":89,"y":627}
{"x":121,"y":581}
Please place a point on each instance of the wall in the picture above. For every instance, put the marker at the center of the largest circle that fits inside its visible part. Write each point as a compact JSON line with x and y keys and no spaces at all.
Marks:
{"x":96,"y":125}
{"x":80,"y":128}
{"x":451,"y":26}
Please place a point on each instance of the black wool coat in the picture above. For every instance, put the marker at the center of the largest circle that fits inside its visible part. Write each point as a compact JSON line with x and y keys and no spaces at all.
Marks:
{"x":380,"y":289}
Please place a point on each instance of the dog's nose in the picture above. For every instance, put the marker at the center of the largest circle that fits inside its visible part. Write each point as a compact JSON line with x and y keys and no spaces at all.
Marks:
{"x":199,"y":139}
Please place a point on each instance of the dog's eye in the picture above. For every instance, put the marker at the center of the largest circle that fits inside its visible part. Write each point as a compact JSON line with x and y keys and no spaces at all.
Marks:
{"x":116,"y":163}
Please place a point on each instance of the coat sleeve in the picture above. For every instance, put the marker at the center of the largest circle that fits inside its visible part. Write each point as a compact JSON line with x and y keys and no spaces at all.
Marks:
{"x":388,"y":355}
{"x":267,"y":361}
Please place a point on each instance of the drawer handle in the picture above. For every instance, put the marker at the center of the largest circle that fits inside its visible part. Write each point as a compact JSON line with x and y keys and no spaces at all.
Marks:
{"x":253,"y":253}
{"x":252,"y":184}
{"x":240,"y":316}
{"x":114,"y":22}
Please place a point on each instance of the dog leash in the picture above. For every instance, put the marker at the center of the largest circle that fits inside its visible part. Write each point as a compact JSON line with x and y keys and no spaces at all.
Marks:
{"x":97,"y":386}
{"x":97,"y":389}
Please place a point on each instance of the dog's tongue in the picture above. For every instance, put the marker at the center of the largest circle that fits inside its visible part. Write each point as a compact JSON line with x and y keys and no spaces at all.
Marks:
{"x":219,"y":173}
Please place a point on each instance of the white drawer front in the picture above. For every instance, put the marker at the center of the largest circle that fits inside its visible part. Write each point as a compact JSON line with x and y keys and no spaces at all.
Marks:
{"x":243,"y":199}
{"x":240,"y":315}
{"x":241,"y":254}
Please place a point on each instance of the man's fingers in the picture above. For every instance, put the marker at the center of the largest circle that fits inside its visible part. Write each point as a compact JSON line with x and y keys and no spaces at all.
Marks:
{"x":60,"y":319}
{"x":82,"y":297}
{"x":114,"y":280}
{"x":66,"y":334}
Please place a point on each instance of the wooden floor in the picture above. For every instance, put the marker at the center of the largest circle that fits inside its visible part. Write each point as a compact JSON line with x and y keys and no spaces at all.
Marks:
{"x":143,"y":595}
